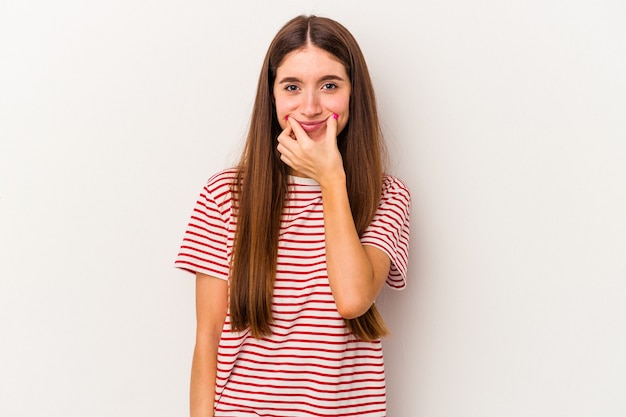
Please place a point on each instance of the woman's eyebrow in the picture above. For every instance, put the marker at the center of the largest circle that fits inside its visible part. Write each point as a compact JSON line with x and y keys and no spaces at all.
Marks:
{"x":330,"y":77}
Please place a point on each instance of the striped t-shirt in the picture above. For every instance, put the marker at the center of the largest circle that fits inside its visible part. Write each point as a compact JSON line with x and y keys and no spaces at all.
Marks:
{"x":310,"y":365}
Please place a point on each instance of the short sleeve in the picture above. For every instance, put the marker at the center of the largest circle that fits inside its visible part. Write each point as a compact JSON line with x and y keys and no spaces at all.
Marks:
{"x":205,"y":246}
{"x":389,"y":229}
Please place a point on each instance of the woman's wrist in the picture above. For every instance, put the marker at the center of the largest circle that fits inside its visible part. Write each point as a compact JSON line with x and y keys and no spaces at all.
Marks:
{"x":333,"y":181}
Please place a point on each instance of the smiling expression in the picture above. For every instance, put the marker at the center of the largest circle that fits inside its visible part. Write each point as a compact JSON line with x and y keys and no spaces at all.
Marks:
{"x":311,"y":85}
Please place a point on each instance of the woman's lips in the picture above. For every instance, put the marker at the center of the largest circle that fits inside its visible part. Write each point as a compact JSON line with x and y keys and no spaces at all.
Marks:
{"x":311,"y":126}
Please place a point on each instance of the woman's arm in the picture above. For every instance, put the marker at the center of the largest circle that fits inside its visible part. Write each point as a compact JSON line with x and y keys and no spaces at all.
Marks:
{"x":211,"y":308}
{"x":356,"y":273}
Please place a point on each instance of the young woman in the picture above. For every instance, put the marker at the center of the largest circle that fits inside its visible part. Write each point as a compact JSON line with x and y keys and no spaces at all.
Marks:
{"x":291,"y":247}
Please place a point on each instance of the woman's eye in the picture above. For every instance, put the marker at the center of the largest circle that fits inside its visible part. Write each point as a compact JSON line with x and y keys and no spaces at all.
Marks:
{"x":291,"y":87}
{"x":329,"y":86}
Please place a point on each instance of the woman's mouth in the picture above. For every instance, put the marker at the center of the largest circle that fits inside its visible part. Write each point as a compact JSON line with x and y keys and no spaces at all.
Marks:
{"x":312,"y":126}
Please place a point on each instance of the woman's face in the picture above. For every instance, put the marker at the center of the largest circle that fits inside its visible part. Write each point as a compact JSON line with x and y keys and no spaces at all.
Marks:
{"x":311,"y":85}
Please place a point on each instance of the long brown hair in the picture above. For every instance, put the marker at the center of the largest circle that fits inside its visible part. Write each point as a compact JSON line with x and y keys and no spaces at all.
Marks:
{"x":261,"y":185}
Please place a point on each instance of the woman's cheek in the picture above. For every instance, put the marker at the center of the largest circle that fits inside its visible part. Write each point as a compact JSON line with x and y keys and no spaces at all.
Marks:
{"x":281,"y":113}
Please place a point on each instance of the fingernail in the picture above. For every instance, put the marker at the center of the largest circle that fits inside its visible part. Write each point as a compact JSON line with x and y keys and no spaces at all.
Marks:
{"x":335,"y":116}
{"x":287,"y":117}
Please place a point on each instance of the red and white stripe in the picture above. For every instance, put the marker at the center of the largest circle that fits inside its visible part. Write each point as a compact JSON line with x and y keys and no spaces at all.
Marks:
{"x":310,"y":365}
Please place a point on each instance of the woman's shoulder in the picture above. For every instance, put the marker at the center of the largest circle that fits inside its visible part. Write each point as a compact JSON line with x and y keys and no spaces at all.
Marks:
{"x":224,"y":177}
{"x":394,"y":185}
{"x":219,"y":186}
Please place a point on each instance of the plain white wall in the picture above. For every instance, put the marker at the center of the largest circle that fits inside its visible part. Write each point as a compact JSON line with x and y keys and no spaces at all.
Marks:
{"x":506,"y":120}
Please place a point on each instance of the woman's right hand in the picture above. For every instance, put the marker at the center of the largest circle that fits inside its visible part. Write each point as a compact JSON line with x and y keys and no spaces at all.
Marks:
{"x":317,"y":159}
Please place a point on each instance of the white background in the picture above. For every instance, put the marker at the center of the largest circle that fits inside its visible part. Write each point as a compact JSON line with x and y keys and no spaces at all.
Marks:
{"x":505,"y":118}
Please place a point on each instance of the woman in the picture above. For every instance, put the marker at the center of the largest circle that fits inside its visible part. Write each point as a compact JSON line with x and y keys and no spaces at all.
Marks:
{"x":291,"y":247}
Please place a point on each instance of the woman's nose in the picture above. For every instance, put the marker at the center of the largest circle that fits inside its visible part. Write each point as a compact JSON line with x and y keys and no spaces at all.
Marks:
{"x":311,"y":104}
